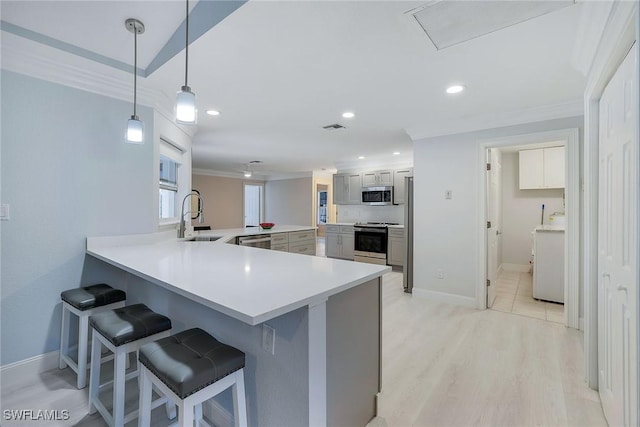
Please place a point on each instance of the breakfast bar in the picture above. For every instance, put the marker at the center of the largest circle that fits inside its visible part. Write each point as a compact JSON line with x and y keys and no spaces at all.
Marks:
{"x":324,"y":368}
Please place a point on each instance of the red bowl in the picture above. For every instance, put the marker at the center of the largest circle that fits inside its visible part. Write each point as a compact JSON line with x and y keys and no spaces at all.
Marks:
{"x":266,"y":225}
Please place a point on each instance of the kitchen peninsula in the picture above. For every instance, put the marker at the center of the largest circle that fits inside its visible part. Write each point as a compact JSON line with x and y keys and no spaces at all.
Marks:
{"x":325,"y":365}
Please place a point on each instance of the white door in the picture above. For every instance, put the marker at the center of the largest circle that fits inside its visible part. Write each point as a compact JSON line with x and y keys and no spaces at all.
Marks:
{"x":617,"y":241}
{"x":252,"y":205}
{"x":494,"y":219}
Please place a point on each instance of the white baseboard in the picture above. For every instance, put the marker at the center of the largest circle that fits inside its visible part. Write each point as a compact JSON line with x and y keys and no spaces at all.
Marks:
{"x":217,"y":414}
{"x":27,"y":370}
{"x":520,"y":268}
{"x":446,"y":298}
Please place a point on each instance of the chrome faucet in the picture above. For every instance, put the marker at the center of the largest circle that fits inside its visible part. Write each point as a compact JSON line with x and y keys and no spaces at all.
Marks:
{"x":182,"y":227}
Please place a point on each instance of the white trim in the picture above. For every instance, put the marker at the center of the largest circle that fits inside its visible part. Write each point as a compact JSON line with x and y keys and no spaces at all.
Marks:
{"x":500,"y":119}
{"x":28,"y":371}
{"x":581,"y":322}
{"x":519,"y":268}
{"x":619,"y":34}
{"x":572,"y":237}
{"x":445,"y":298}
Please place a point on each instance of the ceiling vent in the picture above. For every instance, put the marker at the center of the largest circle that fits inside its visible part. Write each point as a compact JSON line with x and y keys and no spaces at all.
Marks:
{"x":448,"y":23}
{"x":334,"y":126}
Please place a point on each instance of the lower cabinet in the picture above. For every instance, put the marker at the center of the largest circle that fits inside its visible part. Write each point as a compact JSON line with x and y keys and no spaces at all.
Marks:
{"x":339,"y":241}
{"x":300,"y":242}
{"x":395,"y":247}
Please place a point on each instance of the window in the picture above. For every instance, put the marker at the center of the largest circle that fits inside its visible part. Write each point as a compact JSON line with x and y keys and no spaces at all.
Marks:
{"x":253,"y":204}
{"x":170,"y":158}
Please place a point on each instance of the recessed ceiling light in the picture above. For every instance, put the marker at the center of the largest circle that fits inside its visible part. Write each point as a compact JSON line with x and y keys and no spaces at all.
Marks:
{"x":213,"y":112}
{"x":455,"y":89}
{"x":360,"y":157}
{"x":396,"y":153}
{"x":348,"y":115}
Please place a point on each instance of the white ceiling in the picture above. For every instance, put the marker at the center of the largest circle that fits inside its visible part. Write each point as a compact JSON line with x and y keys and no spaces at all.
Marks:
{"x":280,"y":70}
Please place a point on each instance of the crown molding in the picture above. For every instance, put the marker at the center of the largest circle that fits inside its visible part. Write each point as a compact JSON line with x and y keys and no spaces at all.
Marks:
{"x":497,"y":120}
{"x":43,"y":62}
{"x":593,"y":19}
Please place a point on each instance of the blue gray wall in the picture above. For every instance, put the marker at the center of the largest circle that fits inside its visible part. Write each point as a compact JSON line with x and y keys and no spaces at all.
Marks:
{"x":66,"y":174}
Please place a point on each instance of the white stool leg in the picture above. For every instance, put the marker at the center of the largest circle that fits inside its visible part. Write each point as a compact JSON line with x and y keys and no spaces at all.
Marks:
{"x":64,"y":336}
{"x":83,"y":333}
{"x":144,"y":406}
{"x":94,"y":373}
{"x":185,"y":415}
{"x":172,"y":410}
{"x":118,"y":386}
{"x":239,"y":401}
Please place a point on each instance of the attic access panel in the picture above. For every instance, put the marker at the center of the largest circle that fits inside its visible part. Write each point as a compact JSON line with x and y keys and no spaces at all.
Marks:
{"x":448,"y":23}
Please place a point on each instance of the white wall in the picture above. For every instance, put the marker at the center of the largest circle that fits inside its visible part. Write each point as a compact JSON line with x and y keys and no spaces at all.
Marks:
{"x":66,"y":174}
{"x":290,"y":201}
{"x":446,"y":231}
{"x":521,"y":211}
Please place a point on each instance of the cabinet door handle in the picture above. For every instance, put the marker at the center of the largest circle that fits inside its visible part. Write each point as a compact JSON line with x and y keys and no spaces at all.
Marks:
{"x":622,"y":288}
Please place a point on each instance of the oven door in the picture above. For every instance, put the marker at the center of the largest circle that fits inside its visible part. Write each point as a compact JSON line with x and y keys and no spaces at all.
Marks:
{"x":371,"y":242}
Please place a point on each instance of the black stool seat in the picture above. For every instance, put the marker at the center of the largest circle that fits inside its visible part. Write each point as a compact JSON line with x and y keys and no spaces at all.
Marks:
{"x":130,"y":323}
{"x":190,"y":360}
{"x":92,"y":296}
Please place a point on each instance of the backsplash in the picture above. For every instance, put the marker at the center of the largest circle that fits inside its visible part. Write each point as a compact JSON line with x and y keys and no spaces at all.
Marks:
{"x":356,"y":213}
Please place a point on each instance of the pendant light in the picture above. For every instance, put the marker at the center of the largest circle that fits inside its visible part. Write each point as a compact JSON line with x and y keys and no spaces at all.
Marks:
{"x":135,"y":127}
{"x":247,"y":172}
{"x":186,"y":112}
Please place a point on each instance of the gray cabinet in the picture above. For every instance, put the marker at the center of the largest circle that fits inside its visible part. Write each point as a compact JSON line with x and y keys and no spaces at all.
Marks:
{"x":373,"y":178}
{"x":339,"y":241}
{"x":398,"y":184}
{"x":395,"y":247}
{"x":347,"y":188}
{"x":300,"y":242}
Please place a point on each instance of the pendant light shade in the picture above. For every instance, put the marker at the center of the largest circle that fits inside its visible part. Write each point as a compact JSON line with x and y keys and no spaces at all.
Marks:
{"x":135,"y":130}
{"x":135,"y":127}
{"x":186,"y":106}
{"x":186,"y":112}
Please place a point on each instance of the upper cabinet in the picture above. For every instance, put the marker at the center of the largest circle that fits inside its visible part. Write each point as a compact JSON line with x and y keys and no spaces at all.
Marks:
{"x":542,"y":168}
{"x":347,"y":188}
{"x":371,"y":179}
{"x":398,"y":184}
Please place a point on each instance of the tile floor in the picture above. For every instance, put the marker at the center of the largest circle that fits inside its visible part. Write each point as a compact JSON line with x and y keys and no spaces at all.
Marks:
{"x":514,"y":294}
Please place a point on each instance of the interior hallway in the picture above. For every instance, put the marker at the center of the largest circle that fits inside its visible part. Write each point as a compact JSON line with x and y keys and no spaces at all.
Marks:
{"x":446,"y":365}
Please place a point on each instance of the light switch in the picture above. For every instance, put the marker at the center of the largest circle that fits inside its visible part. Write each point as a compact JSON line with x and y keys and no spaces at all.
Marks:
{"x":448,"y":194}
{"x":4,"y":212}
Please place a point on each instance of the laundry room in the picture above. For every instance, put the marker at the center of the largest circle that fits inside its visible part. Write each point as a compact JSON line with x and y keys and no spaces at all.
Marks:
{"x":530,"y":217}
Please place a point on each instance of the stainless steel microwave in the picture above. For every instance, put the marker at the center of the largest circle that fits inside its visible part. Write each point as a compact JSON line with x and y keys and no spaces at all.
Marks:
{"x":377,"y":196}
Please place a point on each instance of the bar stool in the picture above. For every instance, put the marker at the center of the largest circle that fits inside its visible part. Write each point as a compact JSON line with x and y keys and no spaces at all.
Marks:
{"x":122,"y":331}
{"x":190,"y":368}
{"x":84,"y":302}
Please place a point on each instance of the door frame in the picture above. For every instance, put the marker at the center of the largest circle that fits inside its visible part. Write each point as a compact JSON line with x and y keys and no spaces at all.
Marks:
{"x":571,"y":139}
{"x":262,"y":200}
{"x":622,"y":30}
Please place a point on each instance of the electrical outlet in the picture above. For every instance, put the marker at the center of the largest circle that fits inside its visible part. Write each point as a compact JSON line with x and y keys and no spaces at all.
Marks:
{"x":440,"y":273}
{"x":268,"y":339}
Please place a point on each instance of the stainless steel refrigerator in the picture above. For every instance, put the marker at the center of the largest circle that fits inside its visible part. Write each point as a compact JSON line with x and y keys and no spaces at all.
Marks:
{"x":408,"y":234}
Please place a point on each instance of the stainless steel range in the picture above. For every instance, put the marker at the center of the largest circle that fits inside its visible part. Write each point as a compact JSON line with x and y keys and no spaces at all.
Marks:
{"x":371,"y":242}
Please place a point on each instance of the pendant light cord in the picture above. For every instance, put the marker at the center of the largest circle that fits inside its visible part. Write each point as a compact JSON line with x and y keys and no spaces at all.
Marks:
{"x":135,"y":68}
{"x":186,"y":61}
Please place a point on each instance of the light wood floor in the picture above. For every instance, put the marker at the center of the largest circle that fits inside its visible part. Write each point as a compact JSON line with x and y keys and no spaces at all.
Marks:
{"x":442,"y":366}
{"x":453,"y":366}
{"x":514,"y":294}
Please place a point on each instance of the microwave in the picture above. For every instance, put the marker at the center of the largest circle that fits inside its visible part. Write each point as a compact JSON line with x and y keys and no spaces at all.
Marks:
{"x":377,"y":196}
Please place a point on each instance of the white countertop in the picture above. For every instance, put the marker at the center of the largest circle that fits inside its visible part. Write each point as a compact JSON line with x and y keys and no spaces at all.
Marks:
{"x":549,"y":228}
{"x":250,"y":284}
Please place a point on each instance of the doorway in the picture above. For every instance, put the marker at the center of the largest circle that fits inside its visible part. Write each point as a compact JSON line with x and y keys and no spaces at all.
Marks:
{"x":493,"y":245}
{"x":526,"y":214}
{"x":253,"y":204}
{"x":322,"y":192}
